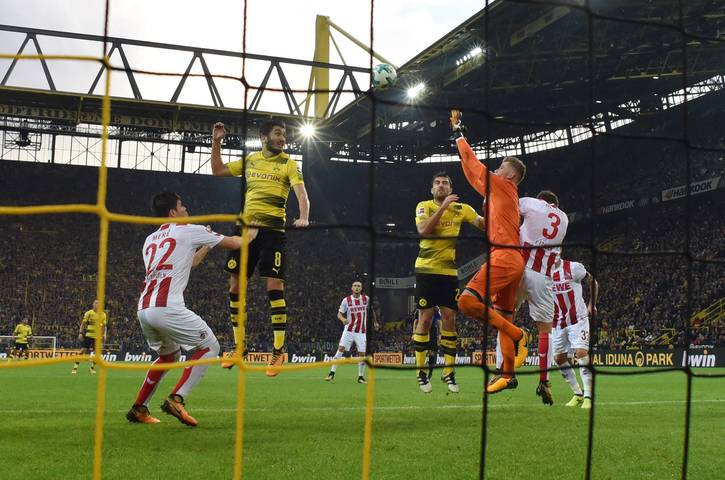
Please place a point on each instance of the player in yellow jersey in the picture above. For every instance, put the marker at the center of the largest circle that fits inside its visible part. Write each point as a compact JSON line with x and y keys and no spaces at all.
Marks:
{"x":436,"y":274}
{"x":92,"y":325}
{"x":22,"y":333}
{"x":269,"y":176}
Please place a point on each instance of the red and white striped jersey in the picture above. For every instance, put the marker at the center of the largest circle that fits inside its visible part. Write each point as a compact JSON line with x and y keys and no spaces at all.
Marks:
{"x":569,"y":306}
{"x":356,"y":309}
{"x":167,"y":256}
{"x":544,"y":224}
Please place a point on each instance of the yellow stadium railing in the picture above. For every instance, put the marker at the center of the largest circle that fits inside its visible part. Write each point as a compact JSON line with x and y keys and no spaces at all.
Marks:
{"x":107,"y":217}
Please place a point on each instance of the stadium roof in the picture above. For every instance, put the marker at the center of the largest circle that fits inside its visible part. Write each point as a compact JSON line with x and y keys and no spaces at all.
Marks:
{"x":521,"y":67}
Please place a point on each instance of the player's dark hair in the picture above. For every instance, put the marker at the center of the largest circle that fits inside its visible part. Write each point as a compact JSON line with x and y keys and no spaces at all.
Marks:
{"x":267,"y":126}
{"x":440,"y":174}
{"x":549,"y":197}
{"x":163,"y":202}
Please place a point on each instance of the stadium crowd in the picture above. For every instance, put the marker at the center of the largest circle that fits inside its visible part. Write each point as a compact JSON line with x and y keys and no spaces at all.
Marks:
{"x":650,"y":289}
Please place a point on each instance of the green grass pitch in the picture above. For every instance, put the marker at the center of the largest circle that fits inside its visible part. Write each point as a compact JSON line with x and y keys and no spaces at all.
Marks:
{"x":297,"y":426}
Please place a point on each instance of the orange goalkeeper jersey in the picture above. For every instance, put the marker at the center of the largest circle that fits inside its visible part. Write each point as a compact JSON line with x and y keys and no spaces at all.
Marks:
{"x":503,"y":201}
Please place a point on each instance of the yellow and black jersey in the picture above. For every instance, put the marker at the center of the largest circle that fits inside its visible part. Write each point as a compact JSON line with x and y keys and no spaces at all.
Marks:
{"x":268,"y":184}
{"x":22,"y":332}
{"x":438,"y":255}
{"x":94,"y":323}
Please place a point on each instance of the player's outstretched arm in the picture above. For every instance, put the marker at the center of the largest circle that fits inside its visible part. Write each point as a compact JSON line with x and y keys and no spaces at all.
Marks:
{"x":218,"y":169}
{"x":235,"y":242}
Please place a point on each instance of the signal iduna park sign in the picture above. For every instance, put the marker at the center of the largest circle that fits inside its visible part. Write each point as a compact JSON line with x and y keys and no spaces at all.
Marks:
{"x":707,"y":356}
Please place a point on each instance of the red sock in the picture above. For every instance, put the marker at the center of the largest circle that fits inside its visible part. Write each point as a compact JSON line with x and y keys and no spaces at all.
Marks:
{"x":543,"y":356}
{"x":152,"y":380}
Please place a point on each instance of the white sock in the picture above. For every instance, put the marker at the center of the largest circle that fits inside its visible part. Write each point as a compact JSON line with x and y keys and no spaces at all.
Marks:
{"x":568,"y":373}
{"x":586,"y":375}
{"x":195,"y":374}
{"x":338,"y":354}
{"x":361,"y":367}
{"x":499,"y":355}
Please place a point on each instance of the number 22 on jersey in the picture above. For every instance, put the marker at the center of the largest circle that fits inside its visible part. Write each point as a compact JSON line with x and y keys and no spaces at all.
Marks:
{"x":167,"y":245}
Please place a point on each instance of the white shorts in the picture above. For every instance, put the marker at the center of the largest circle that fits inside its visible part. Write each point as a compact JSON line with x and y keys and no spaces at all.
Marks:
{"x":539,"y":290}
{"x":573,"y":337}
{"x":168,"y":329}
{"x":348,"y":338}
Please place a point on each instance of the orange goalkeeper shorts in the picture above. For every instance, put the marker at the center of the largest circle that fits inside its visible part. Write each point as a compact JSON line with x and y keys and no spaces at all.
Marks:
{"x":499,"y":278}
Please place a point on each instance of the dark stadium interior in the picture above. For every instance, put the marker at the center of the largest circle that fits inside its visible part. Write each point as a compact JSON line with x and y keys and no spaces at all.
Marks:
{"x":543,"y":68}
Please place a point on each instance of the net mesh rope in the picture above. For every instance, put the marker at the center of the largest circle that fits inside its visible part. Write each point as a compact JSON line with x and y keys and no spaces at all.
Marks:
{"x":106,"y":217}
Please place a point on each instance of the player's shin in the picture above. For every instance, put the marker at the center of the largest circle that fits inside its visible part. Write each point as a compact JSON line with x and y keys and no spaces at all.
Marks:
{"x":449,"y":340}
{"x":499,"y":353}
{"x":586,"y":374}
{"x":338,"y":355}
{"x":544,"y":360}
{"x":420,"y":343}
{"x":192,"y":375}
{"x":234,"y":316}
{"x":153,"y":378}
{"x":278,"y":313}
{"x":567,"y":371}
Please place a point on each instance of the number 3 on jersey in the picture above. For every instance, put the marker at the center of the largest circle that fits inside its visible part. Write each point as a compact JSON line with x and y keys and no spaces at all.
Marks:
{"x":555,"y":222}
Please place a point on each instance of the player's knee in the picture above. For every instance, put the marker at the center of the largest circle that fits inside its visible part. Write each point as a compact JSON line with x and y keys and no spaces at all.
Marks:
{"x":171,"y":357}
{"x":560,"y":359}
{"x":214,"y":347}
{"x":233,"y":283}
{"x":275,"y":284}
{"x":583,"y":360}
{"x":543,"y":327}
{"x":469,"y":305}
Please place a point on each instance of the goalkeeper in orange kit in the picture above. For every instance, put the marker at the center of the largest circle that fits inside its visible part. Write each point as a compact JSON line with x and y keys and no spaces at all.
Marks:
{"x":491,"y":294}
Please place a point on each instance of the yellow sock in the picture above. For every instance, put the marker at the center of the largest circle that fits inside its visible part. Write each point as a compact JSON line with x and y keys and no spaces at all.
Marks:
{"x":448,"y":345}
{"x":234,"y":315}
{"x":278,"y":314}
{"x":421,"y":343}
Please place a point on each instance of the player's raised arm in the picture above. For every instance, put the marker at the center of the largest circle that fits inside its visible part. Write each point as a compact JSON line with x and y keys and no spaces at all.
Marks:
{"x":218,"y":168}
{"x":475,"y":171}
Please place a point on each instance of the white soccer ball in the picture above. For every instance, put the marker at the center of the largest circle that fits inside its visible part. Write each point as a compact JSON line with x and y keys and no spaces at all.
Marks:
{"x":383,"y":76}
